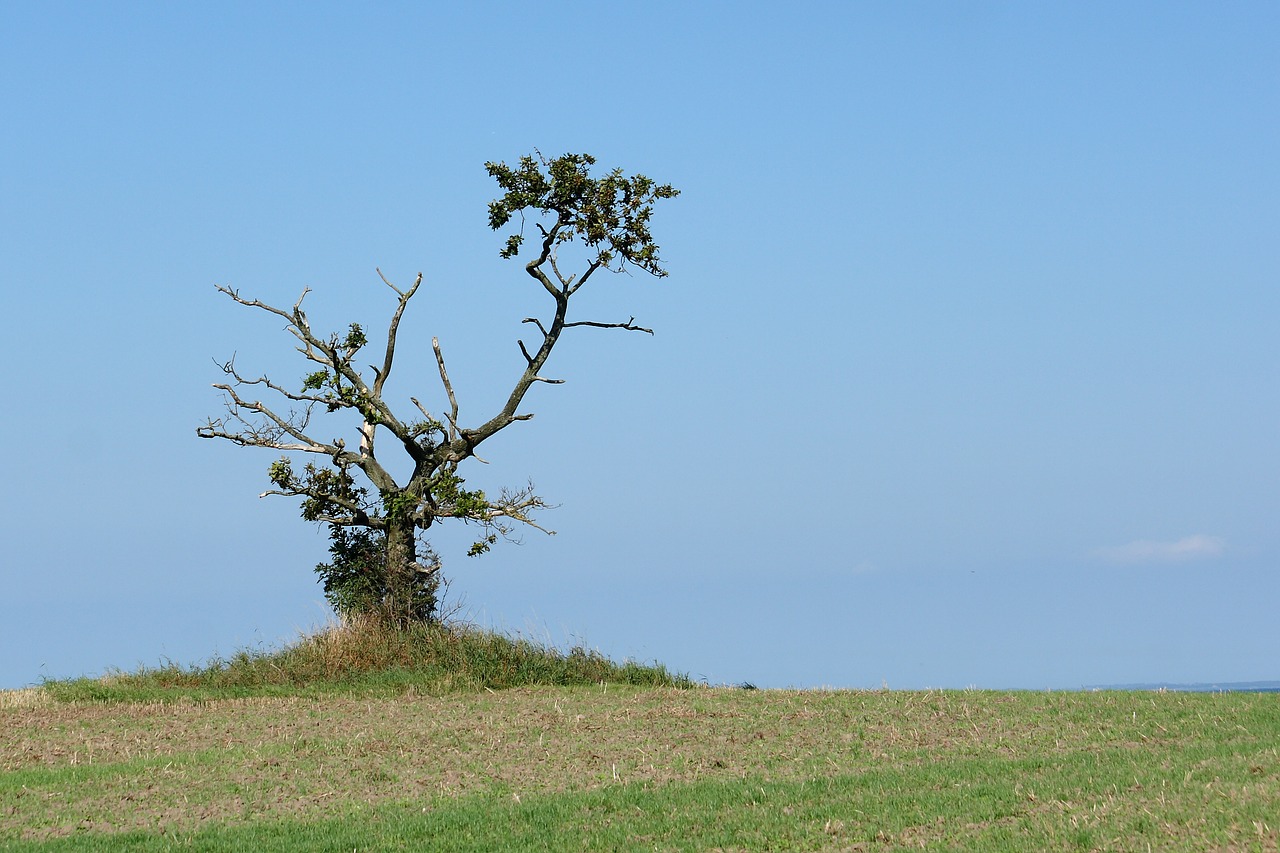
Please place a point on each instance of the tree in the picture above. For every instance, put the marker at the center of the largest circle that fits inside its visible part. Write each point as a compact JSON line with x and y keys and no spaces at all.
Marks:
{"x":348,"y":487}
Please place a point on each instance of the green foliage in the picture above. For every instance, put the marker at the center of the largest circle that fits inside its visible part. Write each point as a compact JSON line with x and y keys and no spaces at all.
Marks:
{"x":399,"y":504}
{"x":467,"y":504}
{"x":316,"y":381}
{"x":356,"y":579}
{"x":446,"y":486}
{"x":427,"y":431}
{"x":355,"y":340}
{"x":340,"y":391}
{"x":326,"y":491}
{"x":482,"y":545}
{"x":352,"y":579}
{"x":610,"y":214}
{"x":281,"y":473}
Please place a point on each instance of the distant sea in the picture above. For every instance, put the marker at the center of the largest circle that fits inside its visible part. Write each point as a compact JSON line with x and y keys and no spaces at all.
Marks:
{"x":1228,"y":687}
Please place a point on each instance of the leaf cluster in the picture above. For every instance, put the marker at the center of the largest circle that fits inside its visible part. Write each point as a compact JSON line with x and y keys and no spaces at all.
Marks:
{"x":428,"y":433}
{"x":610,"y":214}
{"x":337,"y":393}
{"x":447,"y":489}
{"x":326,"y":491}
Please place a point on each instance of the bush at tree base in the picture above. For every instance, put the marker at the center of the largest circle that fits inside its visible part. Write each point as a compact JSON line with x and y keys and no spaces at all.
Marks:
{"x":355,"y":580}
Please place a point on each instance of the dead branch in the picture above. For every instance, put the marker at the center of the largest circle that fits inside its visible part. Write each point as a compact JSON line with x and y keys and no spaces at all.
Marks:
{"x":629,"y":325}
{"x":538,"y":323}
{"x":571,"y":288}
{"x":392,"y":330}
{"x":448,"y":387}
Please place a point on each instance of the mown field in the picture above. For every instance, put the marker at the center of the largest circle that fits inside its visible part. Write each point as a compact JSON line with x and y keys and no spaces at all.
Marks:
{"x":609,"y":767}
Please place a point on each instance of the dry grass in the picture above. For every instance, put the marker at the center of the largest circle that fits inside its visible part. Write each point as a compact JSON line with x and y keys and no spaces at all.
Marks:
{"x":22,"y":698}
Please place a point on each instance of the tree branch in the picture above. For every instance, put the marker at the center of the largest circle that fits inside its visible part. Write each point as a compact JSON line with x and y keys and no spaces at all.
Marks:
{"x":336,"y":356}
{"x":253,"y":303}
{"x":381,"y":376}
{"x":229,"y":368}
{"x":537,"y":323}
{"x":517,"y":506}
{"x":534,"y":267}
{"x":260,"y":436}
{"x":448,"y":387}
{"x":629,"y":325}
{"x":574,"y":288}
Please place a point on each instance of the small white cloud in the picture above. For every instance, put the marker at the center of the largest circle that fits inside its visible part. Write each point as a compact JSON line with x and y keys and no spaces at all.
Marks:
{"x":1196,"y":547}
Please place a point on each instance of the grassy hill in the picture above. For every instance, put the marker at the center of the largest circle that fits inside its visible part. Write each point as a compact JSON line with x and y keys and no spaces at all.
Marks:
{"x":366,"y":659}
{"x":478,"y":761}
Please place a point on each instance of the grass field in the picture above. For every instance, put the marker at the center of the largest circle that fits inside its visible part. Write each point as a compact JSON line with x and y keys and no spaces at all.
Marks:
{"x":634,"y":767}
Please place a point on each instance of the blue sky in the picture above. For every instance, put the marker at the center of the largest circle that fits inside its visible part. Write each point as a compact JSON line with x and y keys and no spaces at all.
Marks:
{"x":965,"y":372}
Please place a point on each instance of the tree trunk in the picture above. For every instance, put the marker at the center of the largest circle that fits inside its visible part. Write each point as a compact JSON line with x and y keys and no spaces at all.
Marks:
{"x":401,"y":604}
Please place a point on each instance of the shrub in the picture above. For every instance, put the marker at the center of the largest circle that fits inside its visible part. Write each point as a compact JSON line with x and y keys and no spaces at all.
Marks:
{"x":355,"y":581}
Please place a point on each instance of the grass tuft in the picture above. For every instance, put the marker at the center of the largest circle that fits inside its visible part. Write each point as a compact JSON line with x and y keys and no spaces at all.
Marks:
{"x":365,"y":657}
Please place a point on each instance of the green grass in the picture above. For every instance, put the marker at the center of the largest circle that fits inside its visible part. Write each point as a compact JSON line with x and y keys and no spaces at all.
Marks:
{"x":881,"y":809}
{"x":250,"y":755}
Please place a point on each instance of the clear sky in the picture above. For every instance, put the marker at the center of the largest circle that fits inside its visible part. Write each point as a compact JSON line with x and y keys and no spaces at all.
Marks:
{"x":967,"y":371}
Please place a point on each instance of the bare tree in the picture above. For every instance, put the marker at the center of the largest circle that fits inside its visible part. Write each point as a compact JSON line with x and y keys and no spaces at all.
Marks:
{"x":348,"y":487}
